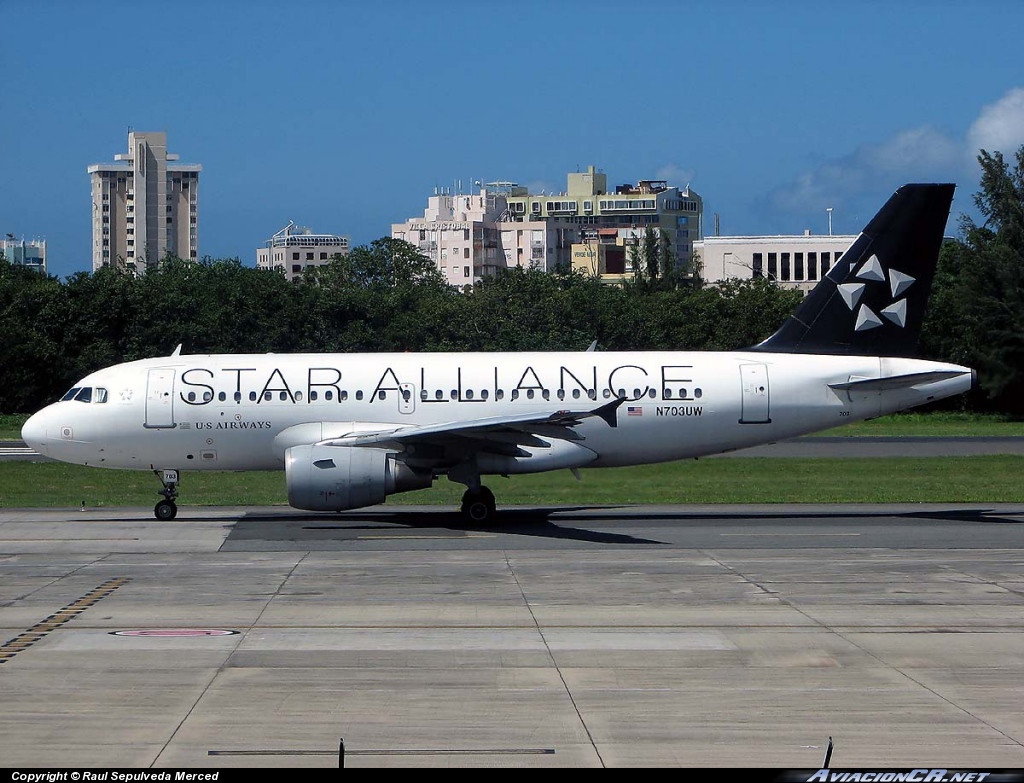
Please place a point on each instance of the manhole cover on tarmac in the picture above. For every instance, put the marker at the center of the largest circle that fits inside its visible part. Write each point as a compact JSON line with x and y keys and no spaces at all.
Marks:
{"x":163,"y":632}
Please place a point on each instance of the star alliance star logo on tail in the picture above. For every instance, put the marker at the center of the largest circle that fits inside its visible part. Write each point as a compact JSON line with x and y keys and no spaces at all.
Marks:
{"x":872,"y":271}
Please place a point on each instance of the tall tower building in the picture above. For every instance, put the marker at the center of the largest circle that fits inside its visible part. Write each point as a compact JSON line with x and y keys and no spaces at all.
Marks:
{"x":144,"y":206}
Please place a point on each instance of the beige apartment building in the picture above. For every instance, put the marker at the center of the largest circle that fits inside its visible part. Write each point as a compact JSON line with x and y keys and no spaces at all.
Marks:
{"x":589,"y":210}
{"x":144,"y":206}
{"x":471,"y":236}
{"x":797,"y":261}
{"x":294,"y":249}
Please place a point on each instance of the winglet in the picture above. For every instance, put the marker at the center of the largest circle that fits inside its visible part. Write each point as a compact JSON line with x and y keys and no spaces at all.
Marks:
{"x":608,"y":411}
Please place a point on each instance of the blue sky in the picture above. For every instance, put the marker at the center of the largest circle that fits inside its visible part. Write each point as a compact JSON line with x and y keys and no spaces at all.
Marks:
{"x":345,"y":117}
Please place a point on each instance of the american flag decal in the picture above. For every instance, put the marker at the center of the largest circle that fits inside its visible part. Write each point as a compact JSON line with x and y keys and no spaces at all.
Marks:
{"x":634,"y":410}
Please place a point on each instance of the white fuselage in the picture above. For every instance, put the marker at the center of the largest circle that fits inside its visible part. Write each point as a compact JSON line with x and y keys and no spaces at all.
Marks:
{"x":231,"y":412}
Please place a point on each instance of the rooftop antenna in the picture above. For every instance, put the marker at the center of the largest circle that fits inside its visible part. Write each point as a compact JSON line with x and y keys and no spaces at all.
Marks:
{"x":829,"y":210}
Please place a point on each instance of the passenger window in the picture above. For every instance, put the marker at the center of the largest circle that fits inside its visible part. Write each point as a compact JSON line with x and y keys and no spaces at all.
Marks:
{"x":359,"y":395}
{"x":222,"y":396}
{"x":207,"y":396}
{"x":328,"y":395}
{"x":252,"y":396}
{"x":382,"y":395}
{"x":529,"y":393}
{"x":268,"y":396}
{"x":298,"y":396}
{"x":312,"y":395}
{"x":284,"y":396}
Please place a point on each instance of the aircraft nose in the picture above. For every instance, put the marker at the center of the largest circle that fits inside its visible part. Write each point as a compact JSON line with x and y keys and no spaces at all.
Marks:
{"x":33,"y":432}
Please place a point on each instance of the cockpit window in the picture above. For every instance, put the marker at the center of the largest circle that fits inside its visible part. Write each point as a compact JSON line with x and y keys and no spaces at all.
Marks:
{"x":84,"y":395}
{"x":101,"y":395}
{"x":71,"y":394}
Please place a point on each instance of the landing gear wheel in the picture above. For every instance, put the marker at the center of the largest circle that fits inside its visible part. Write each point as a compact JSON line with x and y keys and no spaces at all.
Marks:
{"x":479,"y":507}
{"x":165,"y":510}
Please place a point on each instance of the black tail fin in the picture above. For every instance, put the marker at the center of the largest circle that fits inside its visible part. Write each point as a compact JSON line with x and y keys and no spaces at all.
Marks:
{"x":872,"y":301}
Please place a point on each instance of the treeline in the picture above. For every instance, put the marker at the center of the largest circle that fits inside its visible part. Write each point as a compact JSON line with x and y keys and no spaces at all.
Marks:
{"x":387,"y":297}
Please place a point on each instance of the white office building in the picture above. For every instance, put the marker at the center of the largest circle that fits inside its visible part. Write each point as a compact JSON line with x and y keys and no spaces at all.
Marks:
{"x":798,"y":261}
{"x":294,"y":249}
{"x":29,"y":253}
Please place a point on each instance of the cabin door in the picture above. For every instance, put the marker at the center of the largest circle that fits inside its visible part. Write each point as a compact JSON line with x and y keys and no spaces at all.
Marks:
{"x":754,"y":383}
{"x":160,"y":399}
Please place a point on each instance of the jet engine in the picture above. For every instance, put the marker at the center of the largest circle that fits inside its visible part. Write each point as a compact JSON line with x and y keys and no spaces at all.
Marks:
{"x":336,"y":478}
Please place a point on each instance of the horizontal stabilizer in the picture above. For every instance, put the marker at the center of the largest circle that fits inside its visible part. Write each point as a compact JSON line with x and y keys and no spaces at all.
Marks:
{"x":896,"y":381}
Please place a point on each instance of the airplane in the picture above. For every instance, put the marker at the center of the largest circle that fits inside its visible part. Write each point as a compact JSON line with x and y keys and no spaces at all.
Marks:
{"x":350,"y":429}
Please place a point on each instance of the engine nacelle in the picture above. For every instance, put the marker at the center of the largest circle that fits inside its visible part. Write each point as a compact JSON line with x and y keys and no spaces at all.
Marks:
{"x":336,"y":478}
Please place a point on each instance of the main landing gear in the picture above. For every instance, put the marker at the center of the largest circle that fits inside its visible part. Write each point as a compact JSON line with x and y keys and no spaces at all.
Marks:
{"x":478,"y":506}
{"x":477,"y":501}
{"x":166,"y":509}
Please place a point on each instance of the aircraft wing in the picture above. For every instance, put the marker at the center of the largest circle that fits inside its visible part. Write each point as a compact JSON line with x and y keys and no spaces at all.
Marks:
{"x":494,"y":434}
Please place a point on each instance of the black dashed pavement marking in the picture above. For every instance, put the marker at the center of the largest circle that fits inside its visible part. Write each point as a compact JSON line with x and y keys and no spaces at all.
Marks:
{"x":22,"y":641}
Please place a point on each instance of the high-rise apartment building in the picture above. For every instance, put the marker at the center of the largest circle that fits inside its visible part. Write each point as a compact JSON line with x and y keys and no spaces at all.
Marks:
{"x":144,"y":206}
{"x":29,"y":253}
{"x":294,"y":249}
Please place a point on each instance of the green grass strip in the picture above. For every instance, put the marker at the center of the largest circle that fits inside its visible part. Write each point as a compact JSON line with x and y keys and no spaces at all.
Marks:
{"x":975,"y":479}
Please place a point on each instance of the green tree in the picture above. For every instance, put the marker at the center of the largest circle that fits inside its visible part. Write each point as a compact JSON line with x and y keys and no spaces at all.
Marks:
{"x":976,"y":316}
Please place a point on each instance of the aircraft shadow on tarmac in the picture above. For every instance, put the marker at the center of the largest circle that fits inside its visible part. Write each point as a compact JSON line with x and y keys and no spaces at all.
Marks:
{"x":568,"y":522}
{"x":534,"y":522}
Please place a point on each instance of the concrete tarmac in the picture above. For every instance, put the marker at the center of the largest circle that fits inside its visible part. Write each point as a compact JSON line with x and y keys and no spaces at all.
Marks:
{"x":671,"y":636}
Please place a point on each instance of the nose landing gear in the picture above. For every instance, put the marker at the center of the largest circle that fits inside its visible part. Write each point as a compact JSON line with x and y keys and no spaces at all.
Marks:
{"x":167,"y":509}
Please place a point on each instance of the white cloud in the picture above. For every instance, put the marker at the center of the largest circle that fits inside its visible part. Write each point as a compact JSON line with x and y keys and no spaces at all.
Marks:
{"x":675,"y":175}
{"x":999,"y":127}
{"x":916,"y":154}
